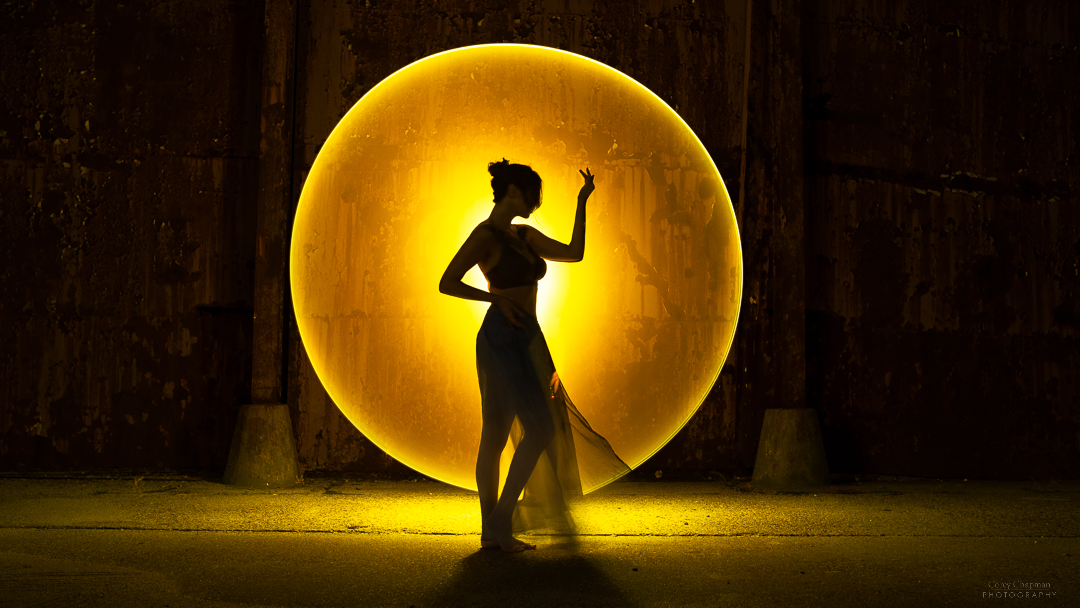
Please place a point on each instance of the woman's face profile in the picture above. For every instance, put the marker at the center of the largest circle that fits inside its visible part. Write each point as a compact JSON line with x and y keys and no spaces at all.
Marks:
{"x":516,"y":201}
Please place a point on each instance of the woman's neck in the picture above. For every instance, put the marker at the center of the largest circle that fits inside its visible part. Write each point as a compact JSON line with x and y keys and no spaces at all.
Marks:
{"x":501,"y":217}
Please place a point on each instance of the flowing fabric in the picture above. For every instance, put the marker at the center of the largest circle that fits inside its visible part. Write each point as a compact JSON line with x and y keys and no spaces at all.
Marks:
{"x":518,"y":378}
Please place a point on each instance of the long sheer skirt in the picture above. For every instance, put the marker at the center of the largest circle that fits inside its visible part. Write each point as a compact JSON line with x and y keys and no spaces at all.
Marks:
{"x":517,"y":377}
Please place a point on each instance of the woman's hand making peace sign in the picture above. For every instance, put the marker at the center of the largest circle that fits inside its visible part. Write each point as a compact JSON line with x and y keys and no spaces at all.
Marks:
{"x":588,"y":188}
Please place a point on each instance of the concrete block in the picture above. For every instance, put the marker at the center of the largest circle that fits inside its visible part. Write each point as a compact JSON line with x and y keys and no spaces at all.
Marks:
{"x":790,"y":454}
{"x":263,"y":452}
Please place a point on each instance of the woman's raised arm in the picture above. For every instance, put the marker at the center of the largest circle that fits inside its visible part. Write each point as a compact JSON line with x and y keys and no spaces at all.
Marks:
{"x":549,"y":248}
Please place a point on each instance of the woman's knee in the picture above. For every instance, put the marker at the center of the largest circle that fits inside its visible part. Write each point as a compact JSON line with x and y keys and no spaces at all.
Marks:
{"x":541,"y":433}
{"x":493,"y":440}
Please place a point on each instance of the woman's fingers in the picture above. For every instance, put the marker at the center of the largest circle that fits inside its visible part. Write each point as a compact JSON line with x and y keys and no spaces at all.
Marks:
{"x":554,"y":384}
{"x":517,"y":313}
{"x":511,"y":312}
{"x":588,"y":186}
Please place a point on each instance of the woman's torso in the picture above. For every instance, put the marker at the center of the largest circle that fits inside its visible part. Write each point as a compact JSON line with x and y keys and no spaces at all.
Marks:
{"x":511,"y":260}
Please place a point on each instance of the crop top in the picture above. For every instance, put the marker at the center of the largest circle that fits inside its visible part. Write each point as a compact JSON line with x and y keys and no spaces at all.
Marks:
{"x":513,"y":269}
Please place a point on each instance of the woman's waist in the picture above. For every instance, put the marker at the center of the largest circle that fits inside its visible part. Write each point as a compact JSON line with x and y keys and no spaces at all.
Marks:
{"x":524,"y":296}
{"x":525,"y":315}
{"x":495,"y":320}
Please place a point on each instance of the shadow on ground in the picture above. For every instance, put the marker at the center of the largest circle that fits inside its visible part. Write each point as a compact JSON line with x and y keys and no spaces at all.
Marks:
{"x":556,"y":574}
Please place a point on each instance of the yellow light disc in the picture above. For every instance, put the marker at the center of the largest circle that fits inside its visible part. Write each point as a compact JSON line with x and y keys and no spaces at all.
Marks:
{"x":638,"y":330}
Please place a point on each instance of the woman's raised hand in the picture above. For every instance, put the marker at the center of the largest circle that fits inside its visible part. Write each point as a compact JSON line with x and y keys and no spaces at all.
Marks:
{"x":588,"y":188}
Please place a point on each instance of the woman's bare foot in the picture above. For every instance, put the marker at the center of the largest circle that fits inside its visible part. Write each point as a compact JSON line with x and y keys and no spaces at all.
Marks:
{"x":498,"y":535}
{"x":489,"y":540}
{"x":486,"y":543}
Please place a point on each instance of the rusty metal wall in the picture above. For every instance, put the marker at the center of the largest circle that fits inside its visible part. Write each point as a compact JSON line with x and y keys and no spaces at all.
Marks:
{"x":909,"y":218}
{"x":943,"y":236}
{"x":128,"y":140}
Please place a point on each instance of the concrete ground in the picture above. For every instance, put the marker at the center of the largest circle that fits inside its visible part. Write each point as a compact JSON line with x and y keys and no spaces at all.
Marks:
{"x":182,"y":541}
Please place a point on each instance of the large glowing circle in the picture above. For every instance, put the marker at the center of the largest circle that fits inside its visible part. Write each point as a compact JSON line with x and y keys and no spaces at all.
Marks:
{"x":638,"y":330}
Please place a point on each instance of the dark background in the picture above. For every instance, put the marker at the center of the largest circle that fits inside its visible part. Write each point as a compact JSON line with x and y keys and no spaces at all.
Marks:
{"x":909,"y":216}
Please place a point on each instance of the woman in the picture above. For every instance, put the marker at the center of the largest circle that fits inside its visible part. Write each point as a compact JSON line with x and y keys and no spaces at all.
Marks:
{"x":521,"y":396}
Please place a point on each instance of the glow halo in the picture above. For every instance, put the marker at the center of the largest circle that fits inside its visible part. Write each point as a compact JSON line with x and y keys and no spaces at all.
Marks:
{"x":402,"y":180}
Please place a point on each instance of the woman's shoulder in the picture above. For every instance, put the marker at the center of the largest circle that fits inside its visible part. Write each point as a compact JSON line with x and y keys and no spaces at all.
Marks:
{"x":521,"y":231}
{"x":486,"y":228}
{"x":484,"y":232}
{"x":526,"y":232}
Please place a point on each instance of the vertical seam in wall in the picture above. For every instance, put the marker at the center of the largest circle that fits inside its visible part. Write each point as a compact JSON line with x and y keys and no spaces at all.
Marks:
{"x":745,"y":113}
{"x":742,"y":173}
{"x":290,"y":188}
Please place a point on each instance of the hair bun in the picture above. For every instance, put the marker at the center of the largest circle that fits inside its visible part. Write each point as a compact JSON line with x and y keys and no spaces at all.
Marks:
{"x":498,"y":168}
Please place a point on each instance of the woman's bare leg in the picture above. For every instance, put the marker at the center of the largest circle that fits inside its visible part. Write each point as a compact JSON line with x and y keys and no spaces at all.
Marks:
{"x":493,"y":437}
{"x":538,"y":435}
{"x":492,"y":441}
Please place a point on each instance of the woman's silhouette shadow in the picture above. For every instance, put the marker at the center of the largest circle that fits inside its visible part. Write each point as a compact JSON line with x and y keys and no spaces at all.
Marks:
{"x":555,"y":575}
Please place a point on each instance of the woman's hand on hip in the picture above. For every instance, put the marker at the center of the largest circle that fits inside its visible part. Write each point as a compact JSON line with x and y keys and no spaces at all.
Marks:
{"x":510,"y":310}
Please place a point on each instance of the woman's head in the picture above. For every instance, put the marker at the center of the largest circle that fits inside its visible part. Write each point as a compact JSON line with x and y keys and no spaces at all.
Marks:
{"x":528,"y":182}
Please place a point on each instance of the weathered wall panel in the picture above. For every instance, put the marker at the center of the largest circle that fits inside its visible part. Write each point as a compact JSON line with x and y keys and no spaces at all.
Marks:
{"x":931,"y":187}
{"x":943,"y":237}
{"x":126,"y":137}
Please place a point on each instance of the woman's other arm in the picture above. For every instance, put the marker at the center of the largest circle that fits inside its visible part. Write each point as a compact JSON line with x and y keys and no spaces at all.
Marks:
{"x":471,"y":252}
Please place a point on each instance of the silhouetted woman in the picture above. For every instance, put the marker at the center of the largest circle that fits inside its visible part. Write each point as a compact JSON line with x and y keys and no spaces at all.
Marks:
{"x":521,"y":395}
